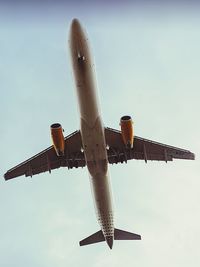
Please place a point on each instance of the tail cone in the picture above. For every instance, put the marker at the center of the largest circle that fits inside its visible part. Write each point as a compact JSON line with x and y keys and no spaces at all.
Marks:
{"x":109,"y":240}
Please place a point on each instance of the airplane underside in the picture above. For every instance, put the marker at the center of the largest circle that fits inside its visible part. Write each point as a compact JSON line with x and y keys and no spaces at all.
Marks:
{"x":94,"y":145}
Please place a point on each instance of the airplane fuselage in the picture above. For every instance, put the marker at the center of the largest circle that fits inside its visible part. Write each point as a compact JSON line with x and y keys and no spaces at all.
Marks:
{"x":101,"y":145}
{"x":92,"y":128}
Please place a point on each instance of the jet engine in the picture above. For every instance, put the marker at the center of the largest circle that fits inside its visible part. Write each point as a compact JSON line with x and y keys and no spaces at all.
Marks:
{"x":126,"y":124}
{"x":58,"y":139}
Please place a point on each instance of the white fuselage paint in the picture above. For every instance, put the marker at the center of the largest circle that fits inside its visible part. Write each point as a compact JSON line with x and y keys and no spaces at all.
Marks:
{"x":92,"y":129}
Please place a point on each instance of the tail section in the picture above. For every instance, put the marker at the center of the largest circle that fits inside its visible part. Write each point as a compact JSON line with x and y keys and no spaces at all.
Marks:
{"x":95,"y":238}
{"x":123,"y":235}
{"x":118,"y":235}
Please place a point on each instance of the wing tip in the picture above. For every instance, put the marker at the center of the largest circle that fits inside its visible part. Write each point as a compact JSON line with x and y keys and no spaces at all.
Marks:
{"x":191,"y":156}
{"x":6,"y":176}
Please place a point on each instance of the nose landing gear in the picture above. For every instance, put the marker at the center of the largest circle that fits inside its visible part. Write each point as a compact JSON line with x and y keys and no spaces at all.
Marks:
{"x":81,"y":58}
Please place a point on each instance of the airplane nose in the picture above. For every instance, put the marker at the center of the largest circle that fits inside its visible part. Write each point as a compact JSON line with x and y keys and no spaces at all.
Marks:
{"x":75,"y":25}
{"x":76,"y":30}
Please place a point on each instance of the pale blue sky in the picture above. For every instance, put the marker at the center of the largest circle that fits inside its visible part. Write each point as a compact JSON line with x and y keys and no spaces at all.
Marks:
{"x":147,"y":64}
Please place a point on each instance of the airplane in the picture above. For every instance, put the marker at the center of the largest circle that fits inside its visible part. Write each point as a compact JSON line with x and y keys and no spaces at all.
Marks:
{"x":95,"y":145}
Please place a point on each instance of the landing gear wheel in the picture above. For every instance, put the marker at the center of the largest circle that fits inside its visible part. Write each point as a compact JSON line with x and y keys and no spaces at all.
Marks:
{"x":81,"y":58}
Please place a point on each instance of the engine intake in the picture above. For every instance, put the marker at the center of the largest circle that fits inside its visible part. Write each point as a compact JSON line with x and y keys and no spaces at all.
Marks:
{"x":126,"y":124}
{"x":58,"y":139}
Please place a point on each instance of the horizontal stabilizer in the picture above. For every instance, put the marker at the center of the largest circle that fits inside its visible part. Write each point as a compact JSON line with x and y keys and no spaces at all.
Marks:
{"x":95,"y":238}
{"x":123,"y":235}
{"x":118,"y":235}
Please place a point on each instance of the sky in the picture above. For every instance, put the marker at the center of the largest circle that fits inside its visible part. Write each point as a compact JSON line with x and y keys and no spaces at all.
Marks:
{"x":147,"y":62}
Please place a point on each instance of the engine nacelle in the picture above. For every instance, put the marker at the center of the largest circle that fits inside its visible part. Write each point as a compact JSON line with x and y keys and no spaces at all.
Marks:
{"x":126,"y":124}
{"x":58,"y":139}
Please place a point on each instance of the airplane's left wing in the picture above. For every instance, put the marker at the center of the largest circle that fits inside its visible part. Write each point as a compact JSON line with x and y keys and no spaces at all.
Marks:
{"x":47,"y":160}
{"x":143,"y":149}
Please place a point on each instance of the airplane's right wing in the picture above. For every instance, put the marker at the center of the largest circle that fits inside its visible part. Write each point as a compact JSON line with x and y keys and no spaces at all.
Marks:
{"x":143,"y":149}
{"x":47,"y":160}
